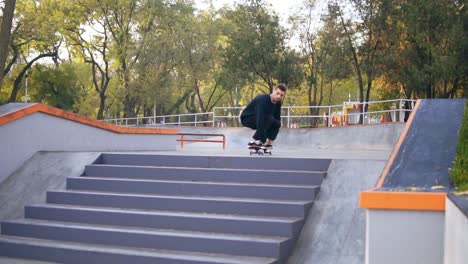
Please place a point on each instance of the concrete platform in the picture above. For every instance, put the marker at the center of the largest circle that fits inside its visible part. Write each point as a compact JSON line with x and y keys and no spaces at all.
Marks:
{"x":335,"y":230}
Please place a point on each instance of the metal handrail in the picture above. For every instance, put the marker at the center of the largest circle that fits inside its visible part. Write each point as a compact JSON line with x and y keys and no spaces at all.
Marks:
{"x":220,"y":120}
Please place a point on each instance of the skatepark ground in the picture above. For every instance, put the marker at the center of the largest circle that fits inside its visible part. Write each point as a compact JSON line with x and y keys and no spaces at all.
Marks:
{"x":335,"y":228}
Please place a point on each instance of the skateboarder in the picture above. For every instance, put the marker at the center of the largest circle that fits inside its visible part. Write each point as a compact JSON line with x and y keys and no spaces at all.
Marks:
{"x":263,"y":114}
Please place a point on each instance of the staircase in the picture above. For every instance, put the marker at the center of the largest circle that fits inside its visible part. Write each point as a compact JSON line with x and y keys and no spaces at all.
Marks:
{"x":141,"y":208}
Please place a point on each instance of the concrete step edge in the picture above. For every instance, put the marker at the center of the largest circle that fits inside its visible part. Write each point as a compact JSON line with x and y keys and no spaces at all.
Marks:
{"x":150,"y":231}
{"x":196,"y":182}
{"x":181,"y":255}
{"x":182,"y":197}
{"x":170,"y":213}
{"x":203,"y":168}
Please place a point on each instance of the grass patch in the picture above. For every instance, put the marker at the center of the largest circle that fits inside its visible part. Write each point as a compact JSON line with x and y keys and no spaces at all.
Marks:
{"x":459,"y":172}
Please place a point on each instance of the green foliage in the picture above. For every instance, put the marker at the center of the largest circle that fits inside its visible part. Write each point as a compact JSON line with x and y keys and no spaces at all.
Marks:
{"x":55,"y":86}
{"x":256,"y":42}
{"x":459,"y":173}
{"x":132,"y":57}
{"x":428,"y":59}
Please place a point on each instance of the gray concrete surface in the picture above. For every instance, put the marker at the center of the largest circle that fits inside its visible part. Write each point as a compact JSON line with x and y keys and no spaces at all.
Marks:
{"x":12,"y":107}
{"x":41,"y":132}
{"x":21,"y":261}
{"x":404,"y":237}
{"x":44,"y":171}
{"x":335,"y":229}
{"x":456,"y":233}
{"x":429,"y":148}
{"x":364,"y":137}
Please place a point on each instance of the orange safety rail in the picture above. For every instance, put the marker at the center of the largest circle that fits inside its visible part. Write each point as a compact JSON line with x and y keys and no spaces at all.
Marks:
{"x":34,"y":108}
{"x":184,"y":139}
{"x":395,"y":200}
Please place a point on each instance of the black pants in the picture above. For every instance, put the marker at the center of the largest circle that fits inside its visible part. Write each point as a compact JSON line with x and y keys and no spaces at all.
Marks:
{"x":271,"y":127}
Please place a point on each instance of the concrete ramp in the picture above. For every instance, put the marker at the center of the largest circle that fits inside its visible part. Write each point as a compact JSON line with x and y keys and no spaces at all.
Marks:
{"x":335,"y":229}
{"x":44,"y":171}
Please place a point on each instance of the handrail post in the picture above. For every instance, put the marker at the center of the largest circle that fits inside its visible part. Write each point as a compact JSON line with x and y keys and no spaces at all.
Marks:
{"x":329,"y":116}
{"x":214,"y":113}
{"x":289,"y":108}
{"x":224,"y":142}
{"x":195,"y":120}
{"x":401,"y":111}
{"x":182,"y":141}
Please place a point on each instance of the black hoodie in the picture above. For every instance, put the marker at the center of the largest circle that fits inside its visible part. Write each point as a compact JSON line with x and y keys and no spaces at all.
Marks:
{"x":260,"y":107}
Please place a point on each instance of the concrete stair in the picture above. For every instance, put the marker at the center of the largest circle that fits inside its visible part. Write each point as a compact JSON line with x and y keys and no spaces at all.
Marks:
{"x":139,"y":208}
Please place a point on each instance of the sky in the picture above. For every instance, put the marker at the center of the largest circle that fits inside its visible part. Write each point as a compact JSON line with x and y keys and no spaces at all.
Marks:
{"x":283,"y":8}
{"x":278,"y":5}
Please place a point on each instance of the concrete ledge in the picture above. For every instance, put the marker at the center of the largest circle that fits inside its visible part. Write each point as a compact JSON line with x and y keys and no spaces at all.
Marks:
{"x":28,"y":128}
{"x":404,"y":237}
{"x":34,"y":108}
{"x":456,"y":230}
{"x":409,"y":226}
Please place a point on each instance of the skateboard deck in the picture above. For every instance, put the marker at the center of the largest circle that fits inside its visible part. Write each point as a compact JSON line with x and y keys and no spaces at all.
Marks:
{"x":259,"y":150}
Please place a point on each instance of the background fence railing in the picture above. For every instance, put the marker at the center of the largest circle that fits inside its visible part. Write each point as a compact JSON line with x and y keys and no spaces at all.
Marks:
{"x":348,"y":113}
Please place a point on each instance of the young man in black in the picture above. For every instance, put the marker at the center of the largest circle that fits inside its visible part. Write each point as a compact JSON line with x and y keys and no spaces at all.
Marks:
{"x":263,"y":114}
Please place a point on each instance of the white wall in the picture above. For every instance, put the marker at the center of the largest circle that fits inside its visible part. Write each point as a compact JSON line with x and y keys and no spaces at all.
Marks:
{"x":404,"y":237}
{"x":456,"y":234}
{"x":20,"y":139}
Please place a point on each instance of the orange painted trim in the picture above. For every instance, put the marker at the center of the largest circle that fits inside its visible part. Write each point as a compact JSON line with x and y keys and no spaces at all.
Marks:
{"x":393,"y":200}
{"x":398,"y":145}
{"x":34,"y":108}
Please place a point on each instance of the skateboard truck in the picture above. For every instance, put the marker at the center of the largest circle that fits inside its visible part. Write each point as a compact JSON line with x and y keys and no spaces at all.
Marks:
{"x":259,"y":151}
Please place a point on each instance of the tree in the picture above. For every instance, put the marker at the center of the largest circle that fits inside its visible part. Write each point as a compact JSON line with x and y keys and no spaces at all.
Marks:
{"x":5,"y":32}
{"x":202,"y":48}
{"x":32,"y":36}
{"x":321,"y":50}
{"x":335,"y":63}
{"x":120,"y":18}
{"x":364,"y":36}
{"x":256,"y":42}
{"x":57,"y":86}
{"x":94,"y":50}
{"x":429,"y":60}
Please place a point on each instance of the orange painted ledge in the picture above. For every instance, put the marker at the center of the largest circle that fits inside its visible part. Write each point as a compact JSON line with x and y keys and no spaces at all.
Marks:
{"x":393,"y":200}
{"x":15,"y":115}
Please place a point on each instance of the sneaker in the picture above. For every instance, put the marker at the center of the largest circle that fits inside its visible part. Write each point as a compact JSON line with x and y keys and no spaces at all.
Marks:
{"x":251,"y":143}
{"x":257,"y":143}
{"x":268,"y":146}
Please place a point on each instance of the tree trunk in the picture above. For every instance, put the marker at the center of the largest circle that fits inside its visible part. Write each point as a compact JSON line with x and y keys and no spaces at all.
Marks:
{"x":5,"y":33}
{"x":179,"y":102}
{"x":357,"y":67}
{"x":102,"y":104}
{"x":129,"y":105}
{"x":18,"y":79}
{"x":369,"y":87}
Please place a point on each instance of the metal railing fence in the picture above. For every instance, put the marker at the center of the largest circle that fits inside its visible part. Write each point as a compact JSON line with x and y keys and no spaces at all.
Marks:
{"x":348,"y":113}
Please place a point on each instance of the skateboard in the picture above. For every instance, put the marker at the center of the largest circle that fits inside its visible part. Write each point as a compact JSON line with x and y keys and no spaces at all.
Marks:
{"x":260,"y":150}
